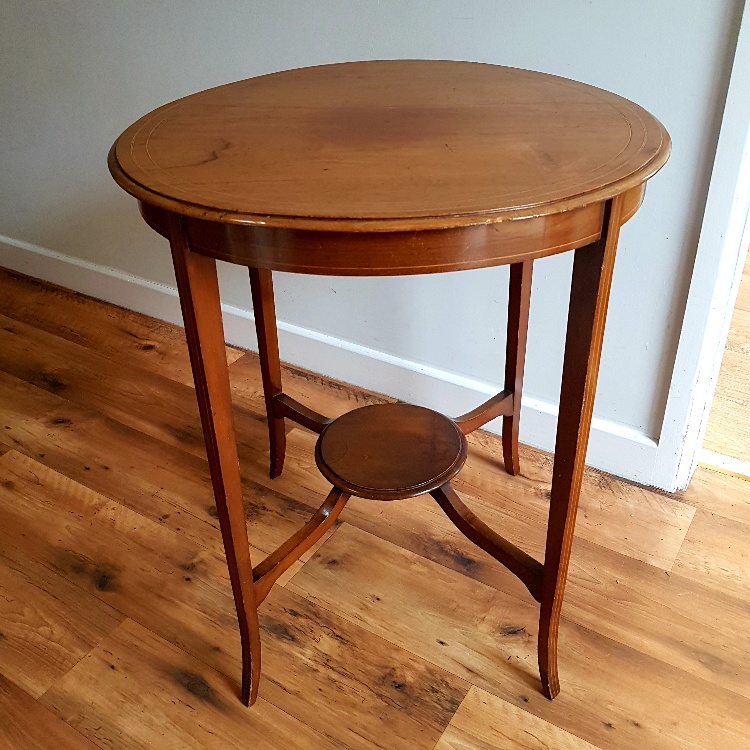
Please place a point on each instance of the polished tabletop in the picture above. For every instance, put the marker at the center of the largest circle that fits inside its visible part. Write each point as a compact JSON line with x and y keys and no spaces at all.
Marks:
{"x":387,"y":146}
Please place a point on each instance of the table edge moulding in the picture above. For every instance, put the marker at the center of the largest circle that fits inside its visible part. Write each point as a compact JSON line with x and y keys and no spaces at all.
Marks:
{"x":384,"y":168}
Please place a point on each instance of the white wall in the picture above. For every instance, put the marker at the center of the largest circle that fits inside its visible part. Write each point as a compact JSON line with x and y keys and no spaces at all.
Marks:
{"x":76,"y":73}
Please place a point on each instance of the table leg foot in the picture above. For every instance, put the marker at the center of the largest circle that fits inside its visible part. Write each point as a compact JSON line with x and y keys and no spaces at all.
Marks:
{"x":250,"y":672}
{"x":550,"y":689}
{"x":519,"y":299}
{"x":547,"y":653}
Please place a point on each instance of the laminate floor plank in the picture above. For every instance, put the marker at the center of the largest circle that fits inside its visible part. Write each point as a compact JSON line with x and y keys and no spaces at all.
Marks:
{"x":330,"y":397}
{"x":374,"y":640}
{"x":349,"y":683}
{"x":743,"y":294}
{"x":158,"y":408}
{"x":148,"y":403}
{"x":138,"y":691}
{"x":716,"y":553}
{"x":18,"y":401}
{"x":719,"y":493}
{"x":177,"y":588}
{"x":486,"y":722}
{"x":672,"y":618}
{"x":659,"y":613}
{"x":738,"y":339}
{"x":129,"y":562}
{"x":642,"y":523}
{"x":46,"y":624}
{"x":141,"y":399}
{"x":27,"y":725}
{"x":126,"y":337}
{"x":341,"y":679}
{"x":728,"y":428}
{"x":158,"y":481}
{"x":612,"y":695}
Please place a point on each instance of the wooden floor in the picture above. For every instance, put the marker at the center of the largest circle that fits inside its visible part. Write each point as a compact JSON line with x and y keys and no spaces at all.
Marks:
{"x":728,"y":429}
{"x":117,"y":627}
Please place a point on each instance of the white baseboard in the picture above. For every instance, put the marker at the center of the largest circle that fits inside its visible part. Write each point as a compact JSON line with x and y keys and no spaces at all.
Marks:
{"x":620,"y":450}
{"x":725,"y":464}
{"x":131,"y":292}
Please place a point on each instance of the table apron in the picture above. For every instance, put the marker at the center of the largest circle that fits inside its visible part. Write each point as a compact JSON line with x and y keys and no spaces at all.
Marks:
{"x":393,"y":253}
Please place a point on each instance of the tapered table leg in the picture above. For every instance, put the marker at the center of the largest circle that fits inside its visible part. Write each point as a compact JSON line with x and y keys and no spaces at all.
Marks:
{"x":198,"y":286}
{"x":261,"y":287}
{"x":589,"y":296}
{"x":519,"y":298}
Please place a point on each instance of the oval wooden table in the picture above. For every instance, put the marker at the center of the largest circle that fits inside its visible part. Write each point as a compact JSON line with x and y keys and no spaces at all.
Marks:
{"x":385,"y":168}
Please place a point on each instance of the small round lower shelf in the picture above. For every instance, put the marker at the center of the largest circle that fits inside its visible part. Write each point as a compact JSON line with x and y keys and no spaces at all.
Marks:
{"x":390,"y":451}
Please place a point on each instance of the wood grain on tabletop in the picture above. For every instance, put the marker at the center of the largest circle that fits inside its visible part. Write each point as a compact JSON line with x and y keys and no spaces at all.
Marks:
{"x":656,"y":594}
{"x":390,"y":147}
